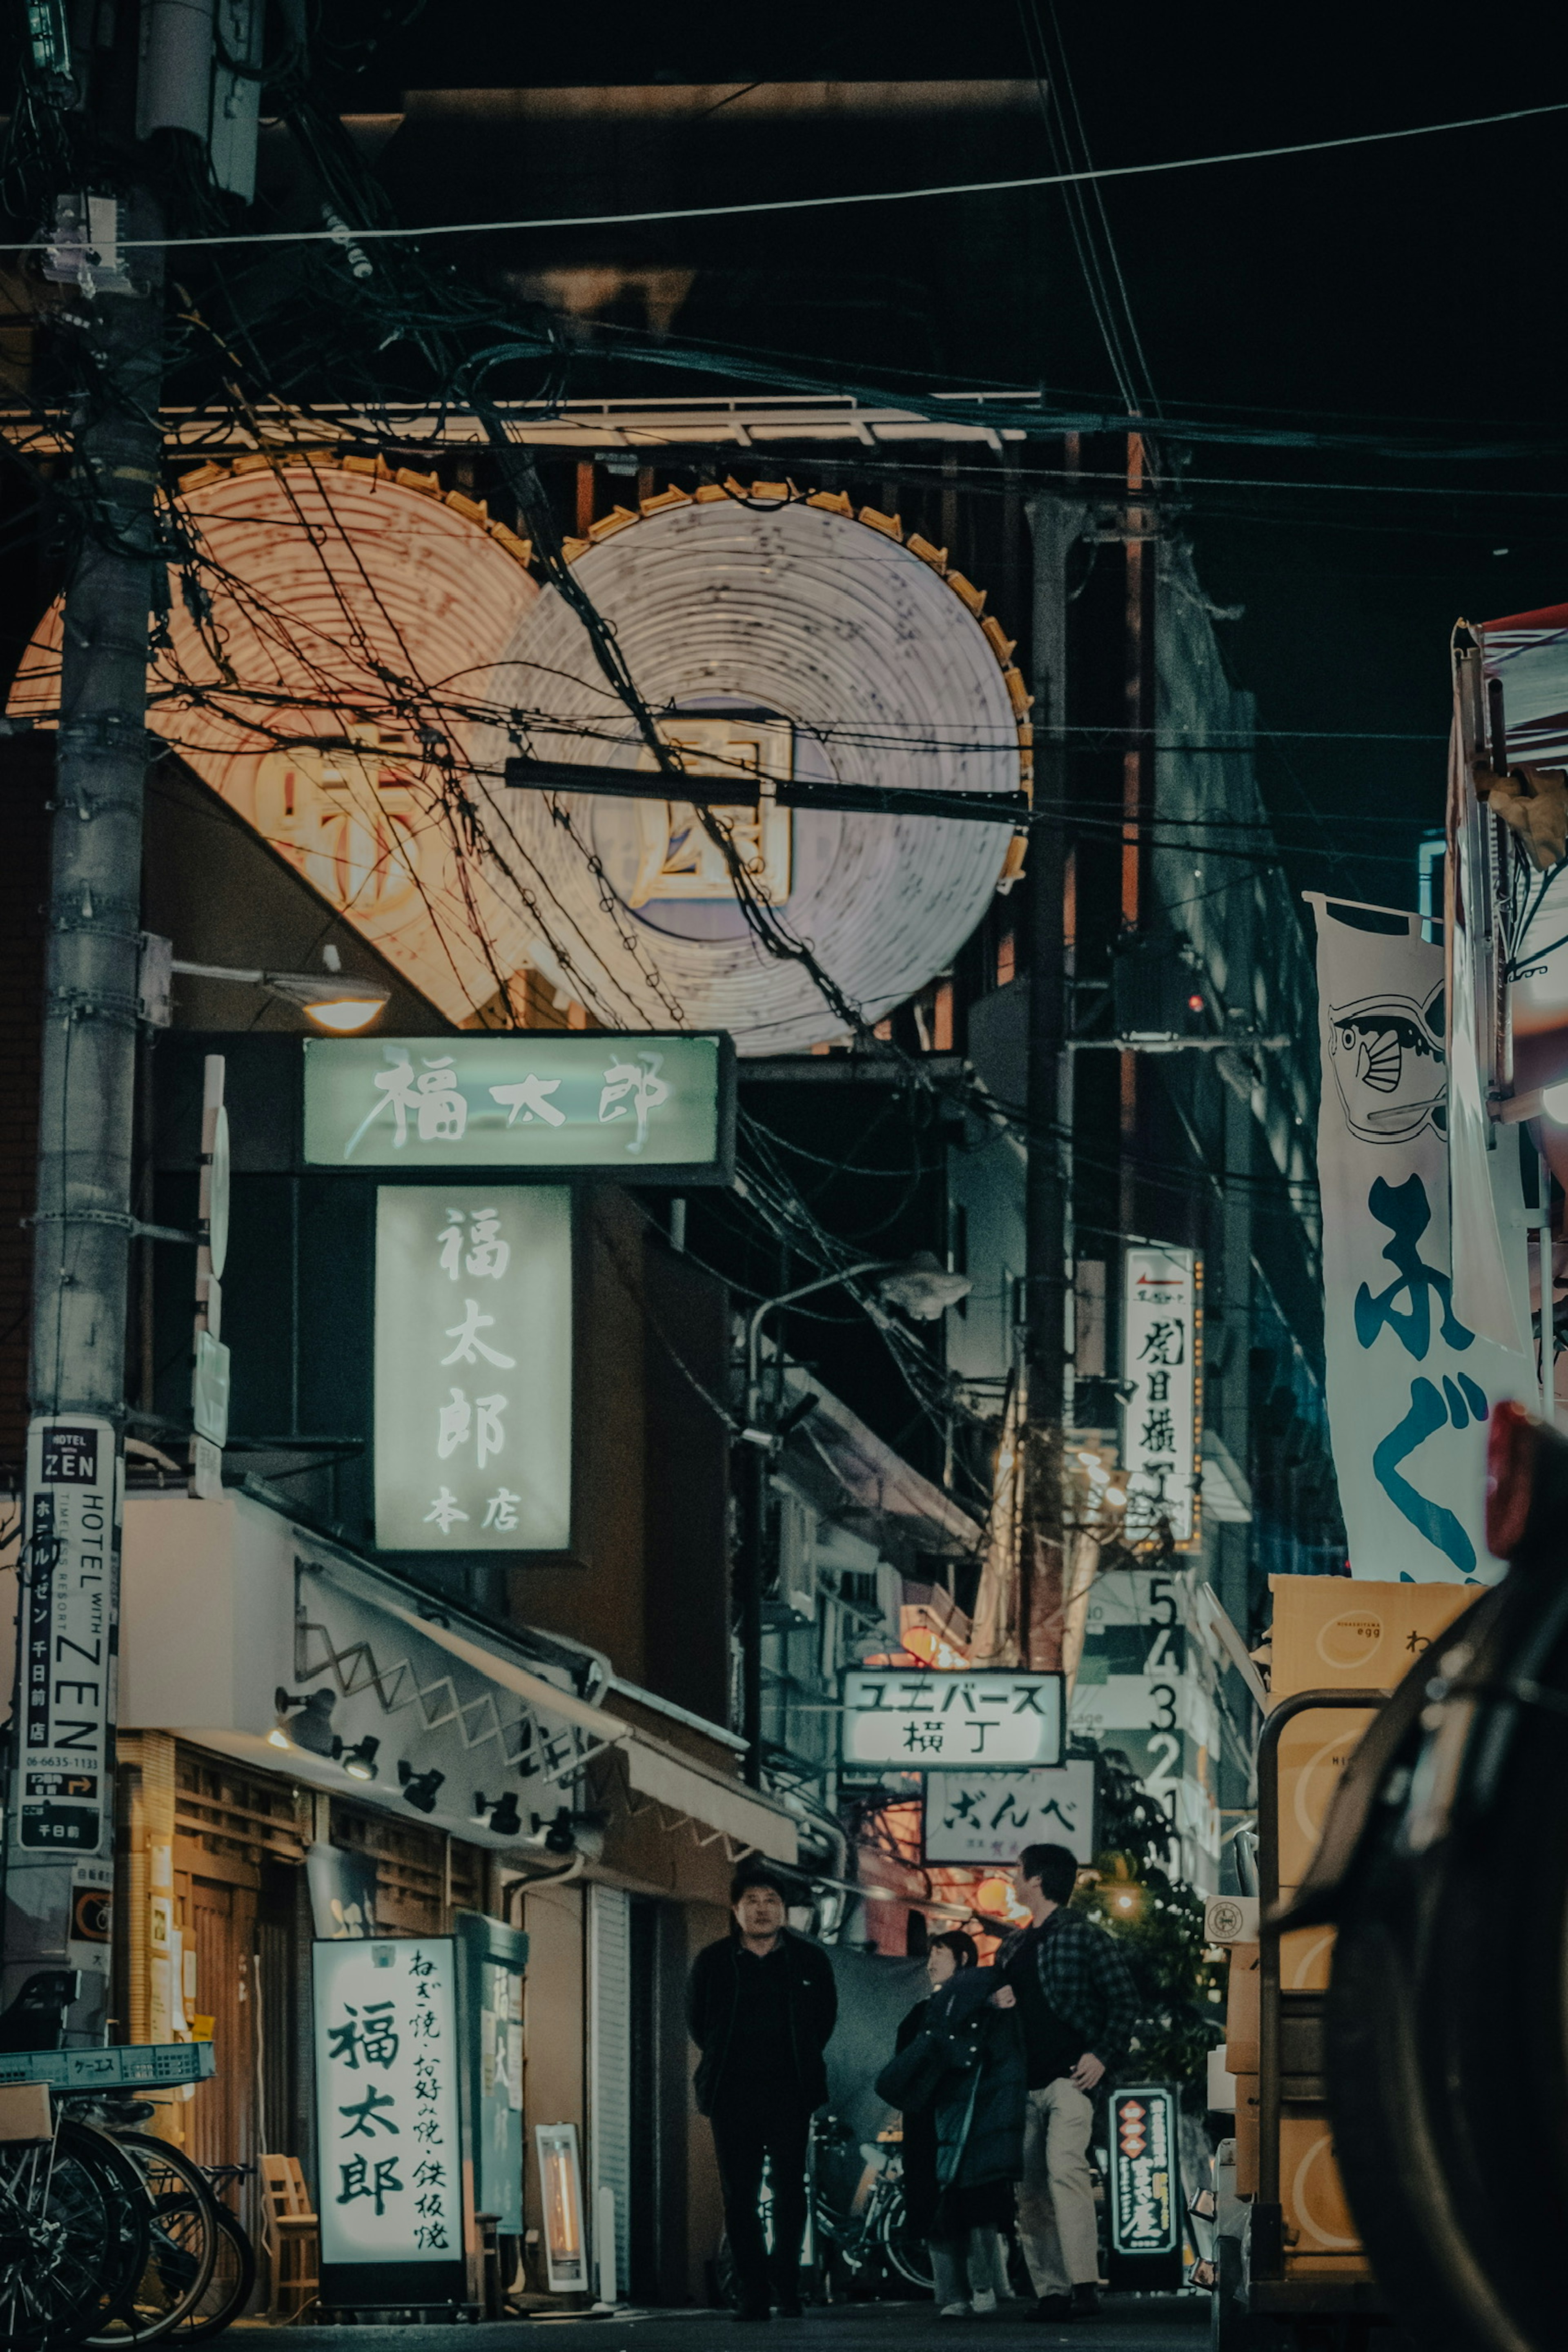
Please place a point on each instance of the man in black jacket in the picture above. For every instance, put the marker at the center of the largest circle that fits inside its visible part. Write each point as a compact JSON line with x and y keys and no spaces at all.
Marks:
{"x":762,"y":2005}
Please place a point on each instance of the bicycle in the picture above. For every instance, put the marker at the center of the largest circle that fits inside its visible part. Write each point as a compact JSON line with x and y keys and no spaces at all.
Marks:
{"x":874,"y":2236}
{"x":875,"y":2233}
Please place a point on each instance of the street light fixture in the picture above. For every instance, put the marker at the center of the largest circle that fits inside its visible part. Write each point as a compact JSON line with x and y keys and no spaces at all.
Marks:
{"x":331,"y":999}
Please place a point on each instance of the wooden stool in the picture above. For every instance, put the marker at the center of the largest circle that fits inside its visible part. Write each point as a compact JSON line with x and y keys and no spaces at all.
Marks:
{"x":292,"y":2233}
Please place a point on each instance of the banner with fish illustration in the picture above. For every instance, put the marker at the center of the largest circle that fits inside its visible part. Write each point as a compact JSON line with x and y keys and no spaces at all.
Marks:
{"x":1409,"y":1385}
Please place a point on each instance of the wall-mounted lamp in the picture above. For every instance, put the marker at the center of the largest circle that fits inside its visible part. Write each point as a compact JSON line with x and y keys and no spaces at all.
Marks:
{"x":358,"y":1762}
{"x":572,"y":1833}
{"x":498,"y":1814}
{"x":419,"y":1787}
{"x":310,"y":1728}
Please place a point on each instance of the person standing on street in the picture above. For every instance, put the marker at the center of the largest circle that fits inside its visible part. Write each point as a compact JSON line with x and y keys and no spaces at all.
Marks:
{"x":1078,"y":2007}
{"x":762,"y":2005}
{"x":959,"y":2088}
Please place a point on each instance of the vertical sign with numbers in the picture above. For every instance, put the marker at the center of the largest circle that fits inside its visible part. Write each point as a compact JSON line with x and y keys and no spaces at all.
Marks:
{"x":473,"y":1368}
{"x":1162,"y":1364}
{"x":67,"y":1640}
{"x":391,"y":2157}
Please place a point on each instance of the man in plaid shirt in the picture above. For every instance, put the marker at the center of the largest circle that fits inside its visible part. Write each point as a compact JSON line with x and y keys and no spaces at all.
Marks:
{"x":1078,"y":2009}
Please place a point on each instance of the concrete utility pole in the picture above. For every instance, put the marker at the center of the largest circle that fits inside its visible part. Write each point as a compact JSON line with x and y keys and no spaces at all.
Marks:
{"x":1057,"y":523}
{"x":60,"y":1817}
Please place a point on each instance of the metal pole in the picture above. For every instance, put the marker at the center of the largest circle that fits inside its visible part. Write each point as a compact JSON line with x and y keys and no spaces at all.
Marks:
{"x":60,"y":1821}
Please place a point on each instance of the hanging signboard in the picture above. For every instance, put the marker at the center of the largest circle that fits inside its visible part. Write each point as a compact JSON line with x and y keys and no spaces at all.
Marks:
{"x":473,"y":1368}
{"x":391,"y":2159}
{"x":653,"y":1110}
{"x":1144,"y":2218}
{"x":978,"y":1818}
{"x":984,"y":1722}
{"x":1410,"y":1383}
{"x":64,"y":1785}
{"x":1161,"y":1365}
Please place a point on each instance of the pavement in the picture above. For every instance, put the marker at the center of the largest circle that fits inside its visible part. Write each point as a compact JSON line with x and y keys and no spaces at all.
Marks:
{"x":1127,"y":2322}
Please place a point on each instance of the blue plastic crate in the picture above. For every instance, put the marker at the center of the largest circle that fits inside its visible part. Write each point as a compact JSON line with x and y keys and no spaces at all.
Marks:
{"x":127,"y":2067}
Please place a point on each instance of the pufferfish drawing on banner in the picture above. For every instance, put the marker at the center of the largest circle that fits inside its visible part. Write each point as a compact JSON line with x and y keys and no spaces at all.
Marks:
{"x":1387,"y":1057}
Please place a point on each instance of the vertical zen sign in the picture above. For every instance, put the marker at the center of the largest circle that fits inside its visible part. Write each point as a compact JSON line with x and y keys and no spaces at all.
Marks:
{"x":1162,"y":1361}
{"x":68,"y":1636}
{"x":391,"y":2159}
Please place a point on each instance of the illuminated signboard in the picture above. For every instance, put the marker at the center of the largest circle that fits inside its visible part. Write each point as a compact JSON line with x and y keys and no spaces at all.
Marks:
{"x":1162,"y":1361}
{"x":979,"y":1818}
{"x":387,"y":2063}
{"x":473,"y":1368}
{"x":804,"y":642}
{"x":654,"y":1109}
{"x":1144,"y":2219}
{"x":916,"y":1722}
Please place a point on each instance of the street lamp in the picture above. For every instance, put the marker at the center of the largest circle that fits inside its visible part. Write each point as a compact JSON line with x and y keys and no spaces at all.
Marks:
{"x":924,"y":1288}
{"x":331,"y":999}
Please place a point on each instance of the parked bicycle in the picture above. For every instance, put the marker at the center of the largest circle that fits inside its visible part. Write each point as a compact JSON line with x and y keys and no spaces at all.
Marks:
{"x":108,"y":2236}
{"x":856,"y":2246}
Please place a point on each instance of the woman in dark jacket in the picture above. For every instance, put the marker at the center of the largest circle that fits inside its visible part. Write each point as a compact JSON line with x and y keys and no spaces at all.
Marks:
{"x":965,"y":2150}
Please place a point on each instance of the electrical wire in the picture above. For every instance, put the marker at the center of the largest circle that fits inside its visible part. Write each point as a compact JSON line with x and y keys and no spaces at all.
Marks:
{"x":869,"y":196}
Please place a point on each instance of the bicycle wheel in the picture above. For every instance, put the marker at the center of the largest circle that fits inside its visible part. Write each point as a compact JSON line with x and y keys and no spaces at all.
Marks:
{"x":905,"y":2250}
{"x":228,"y":2290}
{"x":68,"y":2236}
{"x":185,"y":2231}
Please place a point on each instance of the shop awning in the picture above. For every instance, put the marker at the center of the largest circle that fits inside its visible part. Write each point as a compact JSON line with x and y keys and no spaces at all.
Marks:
{"x":224,"y":1603}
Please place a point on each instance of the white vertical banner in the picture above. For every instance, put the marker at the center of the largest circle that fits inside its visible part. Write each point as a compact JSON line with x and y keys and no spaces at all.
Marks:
{"x":1409,"y":1383}
{"x":1162,"y":1364}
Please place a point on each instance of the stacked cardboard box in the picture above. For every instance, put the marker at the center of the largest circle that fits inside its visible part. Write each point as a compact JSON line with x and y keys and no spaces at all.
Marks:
{"x":1329,"y":1634}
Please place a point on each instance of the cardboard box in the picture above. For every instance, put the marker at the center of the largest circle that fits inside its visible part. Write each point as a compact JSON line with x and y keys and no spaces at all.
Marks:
{"x":24,"y":2111}
{"x":1306,"y":1956}
{"x":1337,"y":1632}
{"x":1313,"y":1751}
{"x":1241,"y":2010}
{"x":1318,"y":2220}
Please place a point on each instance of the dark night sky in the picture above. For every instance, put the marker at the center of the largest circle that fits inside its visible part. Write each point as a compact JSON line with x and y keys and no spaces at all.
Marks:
{"x":1407,"y":291}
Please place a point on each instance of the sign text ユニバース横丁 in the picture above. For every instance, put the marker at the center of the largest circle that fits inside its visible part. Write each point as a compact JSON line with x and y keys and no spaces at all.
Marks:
{"x":912,"y":1721}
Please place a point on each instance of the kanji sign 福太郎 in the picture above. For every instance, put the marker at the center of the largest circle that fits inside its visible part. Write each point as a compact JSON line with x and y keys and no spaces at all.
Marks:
{"x":473,"y":1368}
{"x":390,"y":2163}
{"x":914,"y":1722}
{"x":650,"y":1107}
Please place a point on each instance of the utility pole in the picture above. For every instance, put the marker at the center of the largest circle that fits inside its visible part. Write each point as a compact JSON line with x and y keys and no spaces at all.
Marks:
{"x":1047,"y":1333}
{"x":60,"y":1817}
{"x":1137,"y":774}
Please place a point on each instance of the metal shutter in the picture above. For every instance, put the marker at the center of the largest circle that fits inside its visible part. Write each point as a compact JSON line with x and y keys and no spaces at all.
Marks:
{"x":610,"y":2066}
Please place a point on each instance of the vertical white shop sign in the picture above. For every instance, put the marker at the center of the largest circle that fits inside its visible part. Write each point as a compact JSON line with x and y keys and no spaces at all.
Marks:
{"x":473,"y":1368}
{"x":386,"y":2101}
{"x":1162,"y":1364}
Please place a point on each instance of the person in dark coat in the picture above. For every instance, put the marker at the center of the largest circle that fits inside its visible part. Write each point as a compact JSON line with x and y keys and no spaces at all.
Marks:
{"x":963,"y":2150}
{"x":762,"y":2005}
